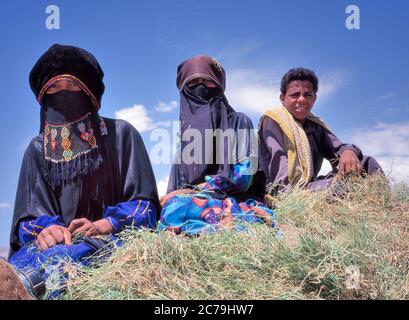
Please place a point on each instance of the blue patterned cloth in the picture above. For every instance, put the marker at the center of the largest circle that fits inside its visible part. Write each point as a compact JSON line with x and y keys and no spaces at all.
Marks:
{"x":212,"y":206}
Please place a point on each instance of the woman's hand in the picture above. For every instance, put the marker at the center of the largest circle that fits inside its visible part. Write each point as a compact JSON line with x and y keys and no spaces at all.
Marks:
{"x":83,"y":226}
{"x":53,"y":235}
{"x":166,"y":198}
{"x":349,"y":162}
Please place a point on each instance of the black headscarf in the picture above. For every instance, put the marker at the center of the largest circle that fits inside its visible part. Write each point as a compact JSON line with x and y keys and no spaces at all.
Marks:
{"x":75,"y":62}
{"x":69,"y":120}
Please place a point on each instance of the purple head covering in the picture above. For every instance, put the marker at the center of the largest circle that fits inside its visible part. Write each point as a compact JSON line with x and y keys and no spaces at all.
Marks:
{"x":201,"y":114}
{"x":201,"y":67}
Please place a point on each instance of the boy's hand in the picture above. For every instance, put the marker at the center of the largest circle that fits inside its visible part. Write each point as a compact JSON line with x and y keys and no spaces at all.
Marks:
{"x":349,"y":162}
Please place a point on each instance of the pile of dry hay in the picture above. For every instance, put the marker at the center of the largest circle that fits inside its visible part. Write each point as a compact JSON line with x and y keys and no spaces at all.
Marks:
{"x":354,"y":246}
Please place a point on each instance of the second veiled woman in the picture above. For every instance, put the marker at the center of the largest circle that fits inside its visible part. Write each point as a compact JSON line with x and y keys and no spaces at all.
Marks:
{"x":212,"y":189}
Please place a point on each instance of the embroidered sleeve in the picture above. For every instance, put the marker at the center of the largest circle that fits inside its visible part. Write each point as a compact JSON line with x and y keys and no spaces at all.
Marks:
{"x":138,"y":213}
{"x":30,"y":229}
{"x":239,"y":180}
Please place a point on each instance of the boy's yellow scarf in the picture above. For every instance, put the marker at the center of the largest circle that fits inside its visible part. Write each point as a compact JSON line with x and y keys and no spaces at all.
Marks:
{"x":300,"y":164}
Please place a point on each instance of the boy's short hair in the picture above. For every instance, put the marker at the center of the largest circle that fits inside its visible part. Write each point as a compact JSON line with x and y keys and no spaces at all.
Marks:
{"x":302,"y":74}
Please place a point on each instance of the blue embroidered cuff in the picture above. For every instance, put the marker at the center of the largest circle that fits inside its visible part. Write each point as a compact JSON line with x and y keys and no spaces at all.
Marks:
{"x":30,"y":229}
{"x":138,"y":213}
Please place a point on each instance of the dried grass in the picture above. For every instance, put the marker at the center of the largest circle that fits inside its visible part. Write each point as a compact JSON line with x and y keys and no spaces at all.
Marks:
{"x":324,"y":238}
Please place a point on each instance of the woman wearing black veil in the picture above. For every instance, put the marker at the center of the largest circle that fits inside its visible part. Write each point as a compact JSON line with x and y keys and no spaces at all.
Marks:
{"x":84,"y":178}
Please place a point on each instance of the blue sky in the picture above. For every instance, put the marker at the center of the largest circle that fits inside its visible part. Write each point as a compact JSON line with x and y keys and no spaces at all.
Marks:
{"x":364,"y":73}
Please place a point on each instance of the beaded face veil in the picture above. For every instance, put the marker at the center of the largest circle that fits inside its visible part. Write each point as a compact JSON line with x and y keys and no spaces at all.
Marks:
{"x":66,"y":142}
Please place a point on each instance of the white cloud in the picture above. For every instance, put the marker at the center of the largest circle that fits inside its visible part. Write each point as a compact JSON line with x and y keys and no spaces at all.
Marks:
{"x":162,"y":185}
{"x":166,"y":107}
{"x":397,"y":168}
{"x":138,"y":116}
{"x":383,"y":139}
{"x":389,"y":144}
{"x":252,"y":90}
{"x":5,"y":205}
